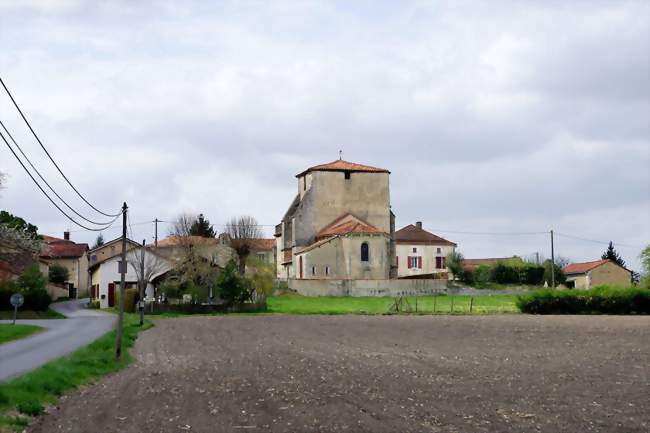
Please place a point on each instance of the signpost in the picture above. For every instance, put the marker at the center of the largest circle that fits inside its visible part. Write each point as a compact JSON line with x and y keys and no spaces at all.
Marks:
{"x":16,"y":300}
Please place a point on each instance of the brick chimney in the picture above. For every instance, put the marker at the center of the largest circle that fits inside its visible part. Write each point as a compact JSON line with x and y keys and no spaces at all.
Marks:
{"x":66,"y":235}
{"x":419,"y":225}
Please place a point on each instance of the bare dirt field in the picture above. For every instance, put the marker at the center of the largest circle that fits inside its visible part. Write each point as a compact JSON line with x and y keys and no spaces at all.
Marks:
{"x":512,"y":373}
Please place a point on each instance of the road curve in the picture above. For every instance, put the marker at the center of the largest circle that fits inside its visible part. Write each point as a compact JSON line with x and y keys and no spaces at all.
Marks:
{"x":61,"y":337}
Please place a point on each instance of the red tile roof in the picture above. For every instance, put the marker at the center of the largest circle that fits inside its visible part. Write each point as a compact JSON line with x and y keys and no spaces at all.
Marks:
{"x":342,"y":227}
{"x":340,"y":165}
{"x":582,"y":268}
{"x":55,"y":248}
{"x":413,"y":235}
{"x":262,"y":244}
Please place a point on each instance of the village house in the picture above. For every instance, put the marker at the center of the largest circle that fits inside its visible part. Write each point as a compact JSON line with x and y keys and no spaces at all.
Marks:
{"x":263,"y":250}
{"x":421,"y":254}
{"x":591,"y":274}
{"x":70,"y":255}
{"x":339,"y":225}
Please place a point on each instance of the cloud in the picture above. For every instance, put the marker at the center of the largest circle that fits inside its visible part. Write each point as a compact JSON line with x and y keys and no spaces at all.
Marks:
{"x":491,"y":117}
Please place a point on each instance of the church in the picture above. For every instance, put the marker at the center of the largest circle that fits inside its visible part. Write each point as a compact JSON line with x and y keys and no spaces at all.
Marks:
{"x":339,"y":225}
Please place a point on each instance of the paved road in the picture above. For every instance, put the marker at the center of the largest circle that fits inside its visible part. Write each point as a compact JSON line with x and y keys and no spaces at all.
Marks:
{"x":375,"y":374}
{"x":61,"y":337}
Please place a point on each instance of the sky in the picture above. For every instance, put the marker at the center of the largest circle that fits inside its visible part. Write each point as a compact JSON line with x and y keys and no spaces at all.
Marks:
{"x":506,"y":118}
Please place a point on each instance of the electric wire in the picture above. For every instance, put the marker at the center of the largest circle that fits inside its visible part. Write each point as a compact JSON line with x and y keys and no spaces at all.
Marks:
{"x":597,"y":242}
{"x":45,"y":181}
{"x":50,"y":156}
{"x":46,"y":194}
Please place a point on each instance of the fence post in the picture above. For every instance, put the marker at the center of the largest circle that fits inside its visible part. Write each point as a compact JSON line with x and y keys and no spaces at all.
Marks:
{"x":452,"y":304}
{"x":471,"y":303}
{"x":435,"y":299}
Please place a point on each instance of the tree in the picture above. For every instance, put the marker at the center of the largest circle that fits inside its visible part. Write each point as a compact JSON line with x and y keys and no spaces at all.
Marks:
{"x":202,"y":227}
{"x":262,"y":276}
{"x":233,"y":287}
{"x":182,"y":225}
{"x":146,"y":265}
{"x":99,"y":241}
{"x":645,"y":263}
{"x":18,"y":224}
{"x":611,"y":254}
{"x":455,"y":262}
{"x":242,"y":232}
{"x":58,"y":274}
{"x":560,"y":278}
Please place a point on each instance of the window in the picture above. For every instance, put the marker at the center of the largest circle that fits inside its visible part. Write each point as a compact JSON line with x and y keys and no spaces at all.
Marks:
{"x":441,"y":263}
{"x":327,"y":270}
{"x":415,"y":262}
{"x":415,"y":250}
{"x":313,"y":271}
{"x":365,"y":253}
{"x":347,"y":175}
{"x":261,"y":257}
{"x":438,"y":250}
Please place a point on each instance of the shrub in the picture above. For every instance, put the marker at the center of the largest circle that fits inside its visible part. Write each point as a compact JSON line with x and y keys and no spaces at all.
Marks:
{"x":58,"y":274}
{"x":130,"y":296}
{"x":31,"y":284}
{"x":600,"y":300}
{"x":482,"y":275}
{"x":233,"y":288}
{"x":504,"y":274}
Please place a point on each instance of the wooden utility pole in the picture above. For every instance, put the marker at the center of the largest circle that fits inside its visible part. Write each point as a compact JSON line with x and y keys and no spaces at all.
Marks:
{"x":552,"y":262}
{"x":120,"y":314}
{"x":143,"y":284}
{"x":155,"y":242}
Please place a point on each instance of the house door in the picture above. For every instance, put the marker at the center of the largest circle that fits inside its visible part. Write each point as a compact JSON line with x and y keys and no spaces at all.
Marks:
{"x":111,"y":294}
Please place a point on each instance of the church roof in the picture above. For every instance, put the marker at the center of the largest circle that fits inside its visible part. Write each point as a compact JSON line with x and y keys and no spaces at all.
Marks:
{"x":341,"y":165}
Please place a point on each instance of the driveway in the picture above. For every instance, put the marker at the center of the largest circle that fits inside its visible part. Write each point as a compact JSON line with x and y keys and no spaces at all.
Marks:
{"x":511,"y":373}
{"x":61,"y":337}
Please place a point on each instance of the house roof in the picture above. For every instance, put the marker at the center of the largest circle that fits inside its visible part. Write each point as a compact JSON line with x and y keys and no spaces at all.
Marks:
{"x":116,"y":240}
{"x":583,"y":268}
{"x":262,"y":244}
{"x":173,"y":241}
{"x":341,"y":165}
{"x":412,"y":234}
{"x":54,"y":248}
{"x":346,"y":224}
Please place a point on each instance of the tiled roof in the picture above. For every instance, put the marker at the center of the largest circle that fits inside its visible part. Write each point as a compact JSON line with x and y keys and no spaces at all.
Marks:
{"x":60,"y":248}
{"x":346,"y":224}
{"x":340,"y":165}
{"x":414,"y":235}
{"x":262,"y":244}
{"x":581,"y":268}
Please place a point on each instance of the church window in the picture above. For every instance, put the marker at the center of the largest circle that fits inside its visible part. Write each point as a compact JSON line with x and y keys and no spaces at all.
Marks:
{"x":365,"y":252}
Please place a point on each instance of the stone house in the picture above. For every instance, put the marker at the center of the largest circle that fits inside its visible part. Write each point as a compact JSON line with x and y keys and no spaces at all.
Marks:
{"x":421,"y":254}
{"x":339,"y":225}
{"x":591,"y":274}
{"x":68,"y":254}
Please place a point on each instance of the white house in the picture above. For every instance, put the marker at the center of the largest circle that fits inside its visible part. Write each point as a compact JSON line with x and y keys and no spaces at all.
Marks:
{"x":105,"y":275}
{"x":419,"y":253}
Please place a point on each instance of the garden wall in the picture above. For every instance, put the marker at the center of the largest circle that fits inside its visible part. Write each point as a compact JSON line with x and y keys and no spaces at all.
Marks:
{"x":367,"y":287}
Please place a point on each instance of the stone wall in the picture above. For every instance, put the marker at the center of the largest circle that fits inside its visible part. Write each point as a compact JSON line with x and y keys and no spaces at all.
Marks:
{"x":367,"y":287}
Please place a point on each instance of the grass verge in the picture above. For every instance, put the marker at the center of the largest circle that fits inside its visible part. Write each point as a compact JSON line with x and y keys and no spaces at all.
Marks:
{"x":10,"y":332}
{"x":27,"y":395}
{"x":31,"y":315}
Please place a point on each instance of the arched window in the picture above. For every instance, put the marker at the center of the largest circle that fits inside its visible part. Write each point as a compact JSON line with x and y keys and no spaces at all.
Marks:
{"x":365,"y":252}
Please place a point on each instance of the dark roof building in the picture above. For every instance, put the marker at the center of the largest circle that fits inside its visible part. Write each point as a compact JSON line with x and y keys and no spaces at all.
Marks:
{"x":415,"y":234}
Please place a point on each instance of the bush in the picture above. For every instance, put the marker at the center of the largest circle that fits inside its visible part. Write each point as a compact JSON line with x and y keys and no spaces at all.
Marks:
{"x":31,"y":284}
{"x":482,"y":275}
{"x":504,"y":274}
{"x":600,"y":300}
{"x":94,"y":305}
{"x":130,"y":296}
{"x":233,"y":288}
{"x":58,"y":274}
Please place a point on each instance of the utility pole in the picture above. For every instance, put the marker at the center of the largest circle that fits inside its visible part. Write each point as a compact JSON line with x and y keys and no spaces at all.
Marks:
{"x":120,"y":315}
{"x":552,"y":262}
{"x":143,"y":284}
{"x":537,"y":258}
{"x":155,"y":242}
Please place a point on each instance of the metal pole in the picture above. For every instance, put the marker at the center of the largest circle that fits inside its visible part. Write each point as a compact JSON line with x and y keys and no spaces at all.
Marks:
{"x":155,"y":242}
{"x":552,"y":262}
{"x":120,"y":314}
{"x":15,"y":313}
{"x":143,"y":283}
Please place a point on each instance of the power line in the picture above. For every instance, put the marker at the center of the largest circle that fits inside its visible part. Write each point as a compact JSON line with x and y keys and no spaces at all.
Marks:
{"x":50,"y":156}
{"x":45,"y":181}
{"x":45,"y":193}
{"x":597,"y":242}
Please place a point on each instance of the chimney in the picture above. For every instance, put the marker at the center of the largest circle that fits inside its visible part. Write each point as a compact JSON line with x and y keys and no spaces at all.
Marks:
{"x":419,"y":225}
{"x":66,"y":235}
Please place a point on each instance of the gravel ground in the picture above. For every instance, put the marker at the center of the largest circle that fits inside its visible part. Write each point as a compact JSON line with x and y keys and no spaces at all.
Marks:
{"x":512,"y":373}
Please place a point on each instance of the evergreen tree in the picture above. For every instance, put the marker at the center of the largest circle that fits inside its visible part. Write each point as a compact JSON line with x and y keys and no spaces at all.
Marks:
{"x":99,"y":242}
{"x":611,"y":254}
{"x":18,"y":224}
{"x":202,"y":227}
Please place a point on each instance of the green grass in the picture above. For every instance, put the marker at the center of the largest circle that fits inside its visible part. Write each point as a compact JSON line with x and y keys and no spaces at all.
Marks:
{"x":9,"y":332}
{"x":27,"y":395}
{"x":31,"y":315}
{"x":296,"y":304}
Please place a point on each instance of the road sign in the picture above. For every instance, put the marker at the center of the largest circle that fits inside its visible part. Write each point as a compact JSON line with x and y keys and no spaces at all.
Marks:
{"x":17,"y":299}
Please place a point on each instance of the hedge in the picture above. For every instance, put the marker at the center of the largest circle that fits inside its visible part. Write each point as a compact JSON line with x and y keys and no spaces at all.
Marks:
{"x":599,"y":300}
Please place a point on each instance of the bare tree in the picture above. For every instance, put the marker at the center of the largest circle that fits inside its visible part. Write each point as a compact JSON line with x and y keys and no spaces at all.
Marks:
{"x":146,"y":265}
{"x":242,"y":232}
{"x":182,"y":225}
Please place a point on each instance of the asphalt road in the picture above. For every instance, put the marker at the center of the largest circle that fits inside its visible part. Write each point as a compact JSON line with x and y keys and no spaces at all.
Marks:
{"x":61,"y":337}
{"x":442,"y":374}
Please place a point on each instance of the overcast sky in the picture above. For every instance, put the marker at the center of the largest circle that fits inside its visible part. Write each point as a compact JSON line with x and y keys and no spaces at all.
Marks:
{"x":492,"y":116}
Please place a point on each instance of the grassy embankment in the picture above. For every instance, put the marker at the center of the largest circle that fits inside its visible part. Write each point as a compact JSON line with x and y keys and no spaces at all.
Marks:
{"x":31,"y":315}
{"x":10,"y":332}
{"x":27,"y":395}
